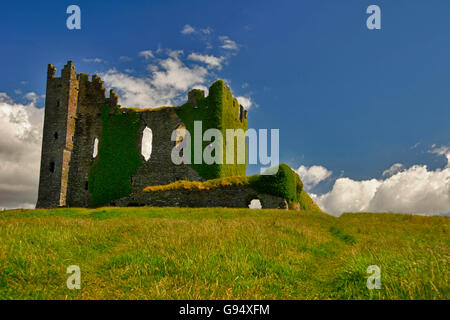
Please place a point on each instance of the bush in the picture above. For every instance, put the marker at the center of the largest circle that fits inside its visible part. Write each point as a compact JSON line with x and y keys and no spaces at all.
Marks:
{"x":284,"y":183}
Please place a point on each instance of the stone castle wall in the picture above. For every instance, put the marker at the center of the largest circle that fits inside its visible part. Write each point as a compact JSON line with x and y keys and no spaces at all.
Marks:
{"x":160,"y":169}
{"x":229,"y":196}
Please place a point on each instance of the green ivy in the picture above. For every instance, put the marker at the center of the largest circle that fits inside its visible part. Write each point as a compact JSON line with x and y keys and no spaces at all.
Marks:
{"x":118,"y":156}
{"x":284,"y":183}
{"x":219,"y":111}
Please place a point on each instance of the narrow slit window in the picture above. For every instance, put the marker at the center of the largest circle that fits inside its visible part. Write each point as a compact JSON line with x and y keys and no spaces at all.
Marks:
{"x":95,"y":149}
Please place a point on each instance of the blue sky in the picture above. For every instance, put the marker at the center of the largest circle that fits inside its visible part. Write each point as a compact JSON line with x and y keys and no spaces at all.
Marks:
{"x":352,"y":100}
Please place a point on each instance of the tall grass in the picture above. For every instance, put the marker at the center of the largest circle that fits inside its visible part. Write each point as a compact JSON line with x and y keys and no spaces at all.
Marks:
{"x":175,"y":253}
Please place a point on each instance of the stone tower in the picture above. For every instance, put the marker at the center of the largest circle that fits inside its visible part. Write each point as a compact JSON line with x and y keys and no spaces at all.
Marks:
{"x":71,"y":125}
{"x":57,"y":142}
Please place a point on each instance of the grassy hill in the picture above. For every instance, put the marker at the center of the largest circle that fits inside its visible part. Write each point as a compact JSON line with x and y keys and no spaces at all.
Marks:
{"x":173,"y":253}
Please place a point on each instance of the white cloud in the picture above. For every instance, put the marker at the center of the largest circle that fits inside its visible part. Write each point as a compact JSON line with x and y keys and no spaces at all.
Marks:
{"x":175,"y":53}
{"x":227,"y":43}
{"x":347,"y":195}
{"x":94,"y":60}
{"x":442,"y":151}
{"x":246,"y":102}
{"x":167,"y":84}
{"x":175,"y":74}
{"x":20,"y":151}
{"x":125,"y":58}
{"x":313,"y":175}
{"x":147,"y":54}
{"x":395,"y":168}
{"x":211,"y":61}
{"x":187,"y":29}
{"x":414,"y":190}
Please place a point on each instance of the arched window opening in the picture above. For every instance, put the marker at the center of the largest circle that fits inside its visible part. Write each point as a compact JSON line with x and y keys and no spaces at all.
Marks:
{"x":86,"y":185}
{"x":56,"y":135}
{"x":255,"y":204}
{"x":146,"y":146}
{"x":95,"y":150}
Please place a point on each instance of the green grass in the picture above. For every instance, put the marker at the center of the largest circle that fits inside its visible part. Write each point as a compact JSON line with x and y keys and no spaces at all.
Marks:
{"x":217,"y":253}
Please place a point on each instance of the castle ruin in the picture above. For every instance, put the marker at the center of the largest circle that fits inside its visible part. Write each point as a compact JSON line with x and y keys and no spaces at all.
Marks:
{"x":79,"y":118}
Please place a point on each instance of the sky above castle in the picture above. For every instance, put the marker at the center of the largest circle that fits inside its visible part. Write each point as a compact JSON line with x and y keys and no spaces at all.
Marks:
{"x":363,"y":114}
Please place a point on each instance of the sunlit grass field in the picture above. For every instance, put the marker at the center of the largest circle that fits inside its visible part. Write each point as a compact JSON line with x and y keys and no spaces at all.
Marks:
{"x":217,"y":253}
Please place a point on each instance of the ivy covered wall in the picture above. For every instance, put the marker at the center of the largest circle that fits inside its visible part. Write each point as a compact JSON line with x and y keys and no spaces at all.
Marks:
{"x":118,"y":156}
{"x":219,"y":110}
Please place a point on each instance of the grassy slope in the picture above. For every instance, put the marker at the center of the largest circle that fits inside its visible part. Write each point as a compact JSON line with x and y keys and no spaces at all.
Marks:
{"x":172,"y":253}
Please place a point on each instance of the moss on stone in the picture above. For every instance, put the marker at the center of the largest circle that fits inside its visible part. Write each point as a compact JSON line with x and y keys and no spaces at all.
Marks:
{"x":200,"y":185}
{"x":118,"y":156}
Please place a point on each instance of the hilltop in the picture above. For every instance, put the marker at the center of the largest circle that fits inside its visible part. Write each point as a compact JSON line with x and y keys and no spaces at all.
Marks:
{"x":220,"y":253}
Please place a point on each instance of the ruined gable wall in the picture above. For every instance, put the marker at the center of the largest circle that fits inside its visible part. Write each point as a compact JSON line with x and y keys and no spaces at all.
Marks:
{"x":160,"y":169}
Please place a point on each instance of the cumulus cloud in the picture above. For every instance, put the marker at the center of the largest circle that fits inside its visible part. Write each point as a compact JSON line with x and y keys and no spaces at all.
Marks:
{"x":168,"y":80}
{"x":313,"y":175}
{"x":166,"y":86}
{"x":227,"y":43}
{"x":209,"y":60}
{"x":416,"y":190}
{"x":147,"y":54}
{"x":442,"y":151}
{"x":395,"y":168}
{"x":20,"y":151}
